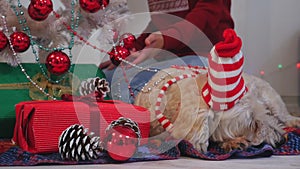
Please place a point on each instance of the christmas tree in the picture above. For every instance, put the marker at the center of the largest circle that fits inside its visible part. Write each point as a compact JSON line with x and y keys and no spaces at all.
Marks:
{"x":47,"y":29}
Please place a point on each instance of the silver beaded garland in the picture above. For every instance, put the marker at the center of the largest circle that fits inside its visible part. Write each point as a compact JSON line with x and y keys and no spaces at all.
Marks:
{"x":20,"y":64}
{"x":22,"y":21}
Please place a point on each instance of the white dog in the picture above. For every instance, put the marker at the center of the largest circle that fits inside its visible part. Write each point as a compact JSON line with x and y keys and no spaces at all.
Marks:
{"x":258,"y":117}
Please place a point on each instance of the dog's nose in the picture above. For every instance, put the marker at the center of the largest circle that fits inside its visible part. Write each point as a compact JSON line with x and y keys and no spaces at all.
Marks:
{"x":281,"y":142}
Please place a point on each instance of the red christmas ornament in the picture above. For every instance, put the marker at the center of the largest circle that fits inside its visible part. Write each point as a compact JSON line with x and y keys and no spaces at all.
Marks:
{"x":3,"y":41}
{"x":105,"y":2}
{"x":91,"y":6}
{"x":298,"y":65}
{"x":58,"y":63}
{"x":40,"y":9}
{"x":128,"y":40}
{"x":20,"y":41}
{"x":121,"y":143}
{"x":117,"y":53}
{"x":34,"y":14}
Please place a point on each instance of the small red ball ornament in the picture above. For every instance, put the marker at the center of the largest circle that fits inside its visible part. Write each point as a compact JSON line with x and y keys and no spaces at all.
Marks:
{"x":58,"y":63}
{"x":20,"y":41}
{"x":40,"y":9}
{"x":117,"y":53}
{"x":298,"y":65}
{"x":3,"y":41}
{"x":128,"y":40}
{"x":34,"y":14}
{"x":43,"y":7}
{"x":91,"y":6}
{"x":105,"y":2}
{"x":121,"y":143}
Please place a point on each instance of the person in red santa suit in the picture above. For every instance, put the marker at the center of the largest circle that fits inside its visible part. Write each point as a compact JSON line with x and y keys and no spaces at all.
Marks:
{"x":184,"y":30}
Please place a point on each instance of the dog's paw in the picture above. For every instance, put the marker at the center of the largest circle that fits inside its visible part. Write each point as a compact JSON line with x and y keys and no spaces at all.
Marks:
{"x":201,"y":147}
{"x":294,"y":122}
{"x":239,"y":143}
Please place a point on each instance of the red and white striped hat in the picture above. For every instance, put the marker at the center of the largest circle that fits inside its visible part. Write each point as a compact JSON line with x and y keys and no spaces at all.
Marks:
{"x":225,"y":85}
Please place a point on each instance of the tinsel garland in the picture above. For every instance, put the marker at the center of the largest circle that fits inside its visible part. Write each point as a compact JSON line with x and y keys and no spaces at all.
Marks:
{"x":52,"y":32}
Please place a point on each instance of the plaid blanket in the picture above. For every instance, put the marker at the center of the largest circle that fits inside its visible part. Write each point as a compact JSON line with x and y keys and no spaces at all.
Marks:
{"x":152,"y":152}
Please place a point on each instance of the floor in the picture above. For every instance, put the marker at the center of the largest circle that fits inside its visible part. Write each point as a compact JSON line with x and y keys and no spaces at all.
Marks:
{"x":274,"y":162}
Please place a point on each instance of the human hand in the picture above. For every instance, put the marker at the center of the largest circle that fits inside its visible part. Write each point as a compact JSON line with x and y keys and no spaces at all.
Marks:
{"x":154,"y":42}
{"x":107,"y":65}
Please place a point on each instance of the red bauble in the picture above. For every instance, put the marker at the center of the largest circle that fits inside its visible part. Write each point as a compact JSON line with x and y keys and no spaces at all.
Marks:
{"x":91,"y":6}
{"x":3,"y":41}
{"x":121,"y":142}
{"x":117,"y":53}
{"x":40,"y":9}
{"x":128,"y":40}
{"x":105,"y":2}
{"x":20,"y":41}
{"x":43,"y":7}
{"x":34,"y":14}
{"x":58,"y":63}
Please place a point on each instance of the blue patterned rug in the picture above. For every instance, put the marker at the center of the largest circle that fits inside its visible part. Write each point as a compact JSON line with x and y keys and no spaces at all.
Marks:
{"x":151,"y":152}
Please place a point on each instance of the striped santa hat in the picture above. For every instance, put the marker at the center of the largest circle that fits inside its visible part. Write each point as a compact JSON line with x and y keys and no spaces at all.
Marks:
{"x":225,"y":85}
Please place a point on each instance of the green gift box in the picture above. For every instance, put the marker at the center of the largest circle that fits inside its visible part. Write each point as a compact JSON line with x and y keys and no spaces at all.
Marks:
{"x":15,"y":88}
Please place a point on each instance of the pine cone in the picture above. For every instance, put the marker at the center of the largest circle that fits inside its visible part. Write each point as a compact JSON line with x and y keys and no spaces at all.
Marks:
{"x":91,"y":85}
{"x":76,"y":144}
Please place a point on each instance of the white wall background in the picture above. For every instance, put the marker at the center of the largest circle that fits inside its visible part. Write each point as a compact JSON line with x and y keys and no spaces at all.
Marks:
{"x":270,"y":30}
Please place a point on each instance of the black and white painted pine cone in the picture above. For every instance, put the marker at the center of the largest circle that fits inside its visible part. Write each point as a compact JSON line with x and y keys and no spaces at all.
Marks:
{"x":101,"y":86}
{"x":76,"y":144}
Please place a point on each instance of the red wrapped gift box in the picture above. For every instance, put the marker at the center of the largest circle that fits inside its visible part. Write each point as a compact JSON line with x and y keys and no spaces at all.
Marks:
{"x":40,"y":123}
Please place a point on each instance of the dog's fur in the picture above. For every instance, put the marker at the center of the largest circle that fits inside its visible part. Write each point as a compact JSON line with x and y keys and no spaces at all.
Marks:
{"x":259,"y":116}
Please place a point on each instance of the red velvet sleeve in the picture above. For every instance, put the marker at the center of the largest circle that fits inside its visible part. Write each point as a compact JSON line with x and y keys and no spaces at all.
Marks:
{"x":204,"y":14}
{"x":140,"y":41}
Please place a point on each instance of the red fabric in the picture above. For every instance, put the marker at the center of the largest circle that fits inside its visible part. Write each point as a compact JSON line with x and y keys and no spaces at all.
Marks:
{"x":216,"y":105}
{"x":231,"y":93}
{"x":226,"y":67}
{"x":231,"y":45}
{"x":211,"y":17}
{"x":224,"y":81}
{"x":40,"y":123}
{"x":225,"y":70}
{"x":168,"y":5}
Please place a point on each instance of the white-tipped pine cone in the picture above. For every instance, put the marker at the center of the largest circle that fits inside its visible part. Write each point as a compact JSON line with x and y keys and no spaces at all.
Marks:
{"x":94,"y":85}
{"x":76,"y":144}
